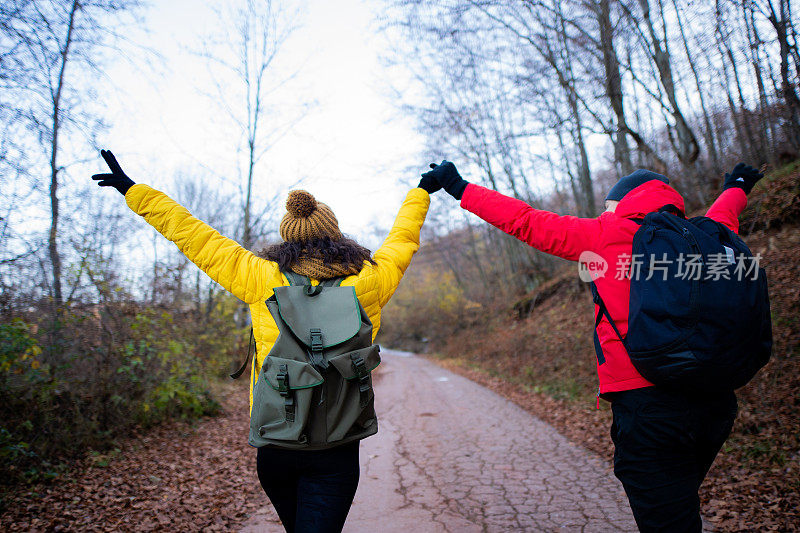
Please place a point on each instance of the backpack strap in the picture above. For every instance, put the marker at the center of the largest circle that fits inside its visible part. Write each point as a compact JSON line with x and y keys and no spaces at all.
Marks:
{"x":296,"y":279}
{"x":672,"y":208}
{"x":603,"y":312}
{"x":251,"y":344}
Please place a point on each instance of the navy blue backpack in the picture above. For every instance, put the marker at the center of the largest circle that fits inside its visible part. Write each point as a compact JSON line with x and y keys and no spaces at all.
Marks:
{"x":699,"y":317}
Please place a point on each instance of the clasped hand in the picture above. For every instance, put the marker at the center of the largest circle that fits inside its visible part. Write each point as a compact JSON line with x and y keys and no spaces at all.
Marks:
{"x":444,"y":176}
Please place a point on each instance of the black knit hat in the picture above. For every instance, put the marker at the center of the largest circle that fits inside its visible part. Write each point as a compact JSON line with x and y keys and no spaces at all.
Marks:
{"x":631,"y":181}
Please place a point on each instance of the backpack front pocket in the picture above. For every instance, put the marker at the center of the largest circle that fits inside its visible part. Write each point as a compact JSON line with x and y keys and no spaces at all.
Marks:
{"x":353,"y":411}
{"x":282,"y":401}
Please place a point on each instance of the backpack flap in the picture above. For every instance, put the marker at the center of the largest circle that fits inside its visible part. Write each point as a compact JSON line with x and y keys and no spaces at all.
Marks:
{"x":354,"y":409}
{"x":350,"y":366}
{"x":282,"y":402}
{"x":334,"y":311}
{"x":299,"y":375}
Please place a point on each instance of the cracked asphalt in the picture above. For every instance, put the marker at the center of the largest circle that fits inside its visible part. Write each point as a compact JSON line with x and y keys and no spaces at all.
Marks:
{"x":452,"y":456}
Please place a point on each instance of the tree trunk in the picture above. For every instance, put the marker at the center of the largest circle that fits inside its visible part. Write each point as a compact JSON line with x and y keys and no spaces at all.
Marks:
{"x":709,"y":129}
{"x":766,"y":133}
{"x":687,"y":148}
{"x":52,"y":241}
{"x":566,"y":167}
{"x":731,"y":105}
{"x":790,"y":99}
{"x":747,"y":140}
{"x":587,"y":206}
{"x":614,"y":86}
{"x":247,"y":232}
{"x":647,"y":155}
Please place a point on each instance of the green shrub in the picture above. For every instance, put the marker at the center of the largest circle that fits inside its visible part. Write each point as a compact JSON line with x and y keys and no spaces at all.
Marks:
{"x":177,"y":398}
{"x":75,"y":382}
{"x":18,"y":350}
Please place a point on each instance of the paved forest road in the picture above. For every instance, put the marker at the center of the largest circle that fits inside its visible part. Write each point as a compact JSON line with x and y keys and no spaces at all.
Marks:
{"x":452,"y":456}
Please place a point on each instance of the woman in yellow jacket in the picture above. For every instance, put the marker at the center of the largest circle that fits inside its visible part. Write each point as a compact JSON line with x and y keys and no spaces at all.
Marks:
{"x":311,"y":490}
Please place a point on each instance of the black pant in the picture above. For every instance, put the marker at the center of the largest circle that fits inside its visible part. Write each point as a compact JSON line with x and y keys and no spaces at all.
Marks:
{"x":312,"y":491}
{"x":665,"y":443}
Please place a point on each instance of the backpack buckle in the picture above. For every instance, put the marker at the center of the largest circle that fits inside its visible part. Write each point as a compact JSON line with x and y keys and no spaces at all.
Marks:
{"x":286,"y":392}
{"x":316,"y":349}
{"x":283,"y":380}
{"x":362,"y":375}
{"x":316,"y":340}
{"x":288,"y":405}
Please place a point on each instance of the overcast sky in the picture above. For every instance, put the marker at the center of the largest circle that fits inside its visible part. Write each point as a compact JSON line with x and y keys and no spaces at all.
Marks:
{"x":352,"y":150}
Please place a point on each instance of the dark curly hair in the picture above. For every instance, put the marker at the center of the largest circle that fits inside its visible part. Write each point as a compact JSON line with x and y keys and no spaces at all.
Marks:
{"x":344,"y":252}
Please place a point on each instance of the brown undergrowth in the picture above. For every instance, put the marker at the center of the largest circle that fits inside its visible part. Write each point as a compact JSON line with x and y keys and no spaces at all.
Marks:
{"x":183,"y":476}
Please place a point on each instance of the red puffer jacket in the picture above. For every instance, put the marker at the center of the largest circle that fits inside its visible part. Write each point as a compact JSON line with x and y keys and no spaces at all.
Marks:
{"x":611,"y":236}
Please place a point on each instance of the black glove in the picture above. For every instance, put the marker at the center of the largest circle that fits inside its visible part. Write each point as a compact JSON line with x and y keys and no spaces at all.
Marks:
{"x":117,"y":179}
{"x":429,"y":183}
{"x":446,"y":175}
{"x":742,"y":176}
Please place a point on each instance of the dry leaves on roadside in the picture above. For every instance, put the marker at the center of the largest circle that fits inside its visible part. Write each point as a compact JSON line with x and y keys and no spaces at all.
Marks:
{"x":183,"y":477}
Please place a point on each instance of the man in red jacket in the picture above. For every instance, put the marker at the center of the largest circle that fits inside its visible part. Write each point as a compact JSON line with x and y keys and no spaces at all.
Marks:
{"x":665,"y":442}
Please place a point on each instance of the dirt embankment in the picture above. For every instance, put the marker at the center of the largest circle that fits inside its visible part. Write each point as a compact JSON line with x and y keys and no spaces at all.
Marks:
{"x":539,"y":353}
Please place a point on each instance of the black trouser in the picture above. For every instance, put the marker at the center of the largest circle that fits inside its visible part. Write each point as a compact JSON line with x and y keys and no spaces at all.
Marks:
{"x":664,"y":445}
{"x":312,"y":491}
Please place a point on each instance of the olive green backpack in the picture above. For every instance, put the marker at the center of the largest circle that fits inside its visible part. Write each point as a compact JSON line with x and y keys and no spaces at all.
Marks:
{"x":314,"y":390}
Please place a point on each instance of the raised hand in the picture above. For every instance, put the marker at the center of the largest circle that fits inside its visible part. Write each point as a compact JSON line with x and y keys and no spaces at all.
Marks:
{"x":446,"y":175}
{"x":429,"y":183}
{"x":117,"y":178}
{"x":742,"y":176}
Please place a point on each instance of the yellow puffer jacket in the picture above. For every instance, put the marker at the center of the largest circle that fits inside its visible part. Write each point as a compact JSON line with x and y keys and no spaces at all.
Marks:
{"x":252,"y":279}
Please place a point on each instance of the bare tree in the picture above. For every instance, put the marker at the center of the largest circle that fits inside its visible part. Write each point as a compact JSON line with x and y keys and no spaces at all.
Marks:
{"x":46,"y":44}
{"x":253,"y":36}
{"x":535,"y":85}
{"x":613,"y":84}
{"x":245,"y":60}
{"x":781,"y":20}
{"x":686,"y":147}
{"x":543,"y":51}
{"x":708,"y":132}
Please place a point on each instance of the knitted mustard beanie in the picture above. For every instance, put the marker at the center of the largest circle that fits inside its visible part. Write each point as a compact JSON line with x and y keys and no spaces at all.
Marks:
{"x":307,"y":219}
